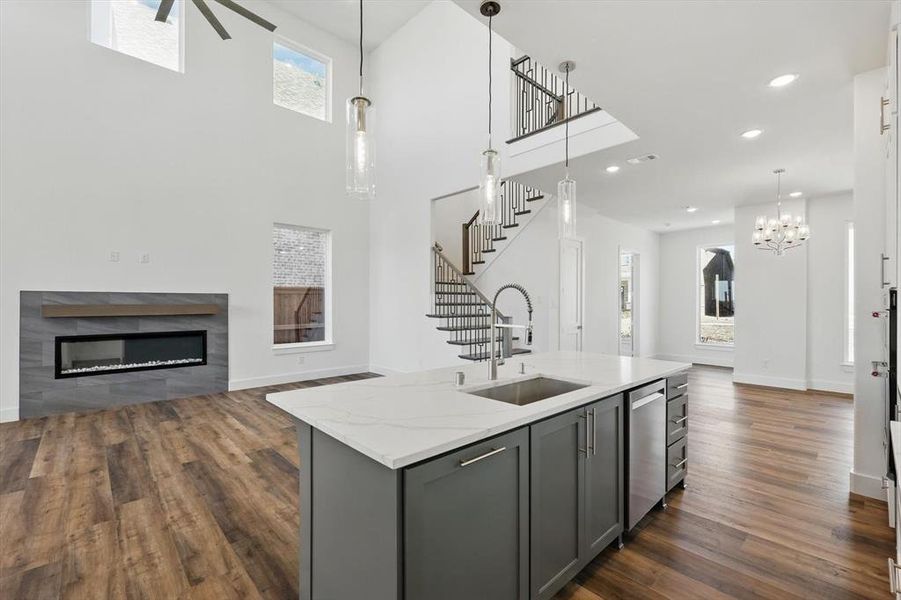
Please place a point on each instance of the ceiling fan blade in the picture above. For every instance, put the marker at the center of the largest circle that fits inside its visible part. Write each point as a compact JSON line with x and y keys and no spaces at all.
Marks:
{"x":206,"y":12}
{"x":247,"y":14}
{"x":165,"y":8}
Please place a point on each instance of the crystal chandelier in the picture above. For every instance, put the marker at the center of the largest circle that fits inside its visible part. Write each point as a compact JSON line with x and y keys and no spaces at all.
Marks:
{"x":782,"y":232}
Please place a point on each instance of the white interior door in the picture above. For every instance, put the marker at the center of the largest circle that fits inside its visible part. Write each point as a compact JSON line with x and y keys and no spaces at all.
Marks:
{"x":571,"y":271}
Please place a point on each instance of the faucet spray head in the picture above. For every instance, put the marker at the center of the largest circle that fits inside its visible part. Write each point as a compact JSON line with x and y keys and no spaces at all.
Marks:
{"x":529,"y":335}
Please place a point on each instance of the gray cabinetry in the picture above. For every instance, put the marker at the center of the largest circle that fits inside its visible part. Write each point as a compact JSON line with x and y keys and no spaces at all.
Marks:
{"x":604,"y":475}
{"x":466,"y":522}
{"x":676,"y":430}
{"x":576,"y":491}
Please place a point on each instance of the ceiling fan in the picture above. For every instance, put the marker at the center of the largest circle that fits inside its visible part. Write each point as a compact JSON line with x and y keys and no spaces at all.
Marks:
{"x":166,"y":6}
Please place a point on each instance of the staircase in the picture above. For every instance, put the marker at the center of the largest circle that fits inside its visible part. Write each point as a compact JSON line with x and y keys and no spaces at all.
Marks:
{"x":464,"y":313}
{"x":479,"y":240}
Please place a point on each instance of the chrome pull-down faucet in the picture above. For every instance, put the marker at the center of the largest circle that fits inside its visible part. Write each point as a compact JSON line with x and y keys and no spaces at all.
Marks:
{"x":492,"y":358}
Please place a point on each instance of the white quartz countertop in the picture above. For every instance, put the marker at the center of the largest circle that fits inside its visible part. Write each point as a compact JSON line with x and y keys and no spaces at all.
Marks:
{"x":403,"y":419}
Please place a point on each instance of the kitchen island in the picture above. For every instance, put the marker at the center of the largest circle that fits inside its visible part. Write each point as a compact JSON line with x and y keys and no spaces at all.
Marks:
{"x":413,"y":487}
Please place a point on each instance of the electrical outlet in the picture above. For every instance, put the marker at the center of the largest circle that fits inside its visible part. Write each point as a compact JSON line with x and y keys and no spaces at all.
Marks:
{"x":766,"y":363}
{"x":144,"y":258}
{"x":300,"y":360}
{"x":114,"y":256}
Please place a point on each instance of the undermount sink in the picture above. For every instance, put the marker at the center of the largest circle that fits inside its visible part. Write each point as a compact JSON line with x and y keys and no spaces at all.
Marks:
{"x":529,"y":391}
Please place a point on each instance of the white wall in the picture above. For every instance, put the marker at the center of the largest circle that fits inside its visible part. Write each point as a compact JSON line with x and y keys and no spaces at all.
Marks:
{"x":826,"y":270}
{"x":679,"y":295}
{"x":869,"y":243}
{"x":430,"y":91}
{"x":101,"y":152}
{"x":533,"y":260}
{"x":771,"y":306}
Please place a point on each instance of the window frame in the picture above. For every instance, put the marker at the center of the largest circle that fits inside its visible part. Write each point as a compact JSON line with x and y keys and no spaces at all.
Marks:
{"x":95,"y":21}
{"x":309,"y":52}
{"x":328,"y":342}
{"x":848,"y":303}
{"x":697,"y":301}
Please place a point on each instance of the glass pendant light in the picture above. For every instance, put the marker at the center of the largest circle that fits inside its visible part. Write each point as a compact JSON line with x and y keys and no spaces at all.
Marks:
{"x":783,"y":232}
{"x":360,"y":166}
{"x":566,"y":188}
{"x":490,"y":176}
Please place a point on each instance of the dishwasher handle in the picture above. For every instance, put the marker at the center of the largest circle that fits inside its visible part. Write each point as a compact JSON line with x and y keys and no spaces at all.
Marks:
{"x":646,"y":400}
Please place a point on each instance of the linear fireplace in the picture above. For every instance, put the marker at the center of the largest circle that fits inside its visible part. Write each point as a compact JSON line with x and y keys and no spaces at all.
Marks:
{"x":85,"y":355}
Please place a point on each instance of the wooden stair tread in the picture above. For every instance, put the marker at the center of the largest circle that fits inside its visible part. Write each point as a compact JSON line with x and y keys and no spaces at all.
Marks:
{"x":484,"y":355}
{"x":463,"y":327}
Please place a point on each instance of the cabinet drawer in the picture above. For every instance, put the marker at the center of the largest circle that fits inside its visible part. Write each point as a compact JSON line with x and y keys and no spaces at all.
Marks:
{"x":676,"y":419}
{"x":676,"y":385}
{"x":676,"y":463}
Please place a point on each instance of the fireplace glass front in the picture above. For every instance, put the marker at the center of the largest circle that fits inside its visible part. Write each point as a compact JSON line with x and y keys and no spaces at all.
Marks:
{"x":83,"y":355}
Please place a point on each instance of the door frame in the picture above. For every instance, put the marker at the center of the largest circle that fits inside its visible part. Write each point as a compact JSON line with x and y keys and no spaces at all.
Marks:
{"x":636,"y":298}
{"x":581,"y":293}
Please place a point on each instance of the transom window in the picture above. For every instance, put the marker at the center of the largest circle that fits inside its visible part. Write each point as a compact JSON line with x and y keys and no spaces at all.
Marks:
{"x":128,"y":26}
{"x":716,"y":295}
{"x":301,"y":81}
{"x":301,"y":260}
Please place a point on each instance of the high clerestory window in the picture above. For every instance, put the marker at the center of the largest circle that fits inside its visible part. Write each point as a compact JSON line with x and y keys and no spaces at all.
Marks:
{"x":128,"y":26}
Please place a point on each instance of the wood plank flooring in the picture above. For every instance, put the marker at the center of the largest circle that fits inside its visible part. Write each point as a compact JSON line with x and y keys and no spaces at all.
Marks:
{"x":197,"y":498}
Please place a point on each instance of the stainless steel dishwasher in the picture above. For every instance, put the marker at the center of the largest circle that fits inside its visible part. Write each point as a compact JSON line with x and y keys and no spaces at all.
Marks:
{"x":647,"y":450}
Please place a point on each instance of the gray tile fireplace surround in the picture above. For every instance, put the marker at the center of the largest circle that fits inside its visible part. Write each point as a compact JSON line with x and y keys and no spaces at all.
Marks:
{"x":41,"y":393}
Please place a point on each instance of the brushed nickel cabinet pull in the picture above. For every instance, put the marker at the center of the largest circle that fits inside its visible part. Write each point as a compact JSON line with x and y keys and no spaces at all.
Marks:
{"x":893,"y":575}
{"x":677,"y":421}
{"x":883,"y":126}
{"x":682,"y":386}
{"x":492,"y":452}
{"x":679,"y":464}
{"x":594,"y":432}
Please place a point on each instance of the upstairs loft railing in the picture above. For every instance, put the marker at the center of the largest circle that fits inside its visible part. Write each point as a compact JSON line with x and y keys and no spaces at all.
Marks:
{"x":541,"y":99}
{"x":479,"y":240}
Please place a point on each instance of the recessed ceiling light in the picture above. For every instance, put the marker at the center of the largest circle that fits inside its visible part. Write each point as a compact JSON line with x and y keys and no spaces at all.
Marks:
{"x":612,"y":169}
{"x":691,"y":209}
{"x":715,"y":221}
{"x":796,"y":194}
{"x":751,"y":134}
{"x":783,"y":80}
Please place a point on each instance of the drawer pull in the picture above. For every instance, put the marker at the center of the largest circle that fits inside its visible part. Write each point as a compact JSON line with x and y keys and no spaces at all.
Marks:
{"x":492,"y":452}
{"x":682,"y":386}
{"x":678,"y":421}
{"x":679,"y":464}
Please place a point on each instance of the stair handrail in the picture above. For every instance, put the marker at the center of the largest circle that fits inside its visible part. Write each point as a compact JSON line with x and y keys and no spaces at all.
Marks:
{"x":439,"y":251}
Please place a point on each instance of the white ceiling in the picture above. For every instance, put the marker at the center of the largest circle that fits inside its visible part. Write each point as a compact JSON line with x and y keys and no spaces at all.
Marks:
{"x":688,"y":77}
{"x":381,"y":18}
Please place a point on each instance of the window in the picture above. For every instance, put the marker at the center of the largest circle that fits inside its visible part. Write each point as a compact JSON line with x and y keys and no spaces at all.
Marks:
{"x":716,"y":295}
{"x":128,"y":26}
{"x":300,"y":277}
{"x":849,"y":294}
{"x":301,"y":81}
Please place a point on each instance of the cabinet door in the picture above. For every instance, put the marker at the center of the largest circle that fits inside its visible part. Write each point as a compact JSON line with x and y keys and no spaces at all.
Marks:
{"x":557,"y":484}
{"x":466,"y":523}
{"x":604,"y":474}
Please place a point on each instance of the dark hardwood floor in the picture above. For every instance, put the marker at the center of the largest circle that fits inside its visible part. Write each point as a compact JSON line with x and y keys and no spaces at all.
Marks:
{"x":197,"y":498}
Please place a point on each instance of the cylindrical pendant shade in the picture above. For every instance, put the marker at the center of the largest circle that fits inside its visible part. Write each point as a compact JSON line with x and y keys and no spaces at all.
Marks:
{"x":566,"y":207}
{"x":490,"y":189}
{"x":360,"y":167}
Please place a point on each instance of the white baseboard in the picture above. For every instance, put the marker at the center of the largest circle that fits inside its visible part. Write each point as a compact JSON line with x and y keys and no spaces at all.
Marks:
{"x":867,"y":485}
{"x":252,"y":382}
{"x":824,"y":385}
{"x":777,"y":382}
{"x":9,"y":414}
{"x":725,"y":361}
{"x":384,"y":370}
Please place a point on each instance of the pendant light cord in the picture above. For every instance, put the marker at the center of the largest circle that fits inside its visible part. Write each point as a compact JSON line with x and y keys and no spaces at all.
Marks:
{"x":361,"y":47}
{"x":566,"y":122}
{"x":489,"y":81}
